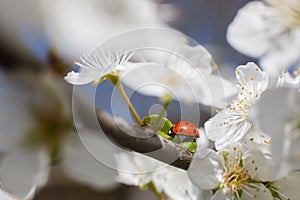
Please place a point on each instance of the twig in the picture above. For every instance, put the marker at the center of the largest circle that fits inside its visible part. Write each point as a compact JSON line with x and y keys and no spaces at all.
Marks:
{"x":143,"y":140}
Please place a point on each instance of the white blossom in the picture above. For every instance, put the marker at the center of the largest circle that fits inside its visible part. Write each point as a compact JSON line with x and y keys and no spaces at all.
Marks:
{"x":20,"y":162}
{"x":178,"y":186}
{"x":287,"y":187}
{"x":92,"y":22}
{"x":77,"y":162}
{"x":231,"y":124}
{"x":187,"y":73}
{"x":256,"y":139}
{"x":95,"y":65}
{"x":270,"y":31}
{"x":139,"y":170}
{"x":23,"y":171}
{"x":72,"y":27}
{"x":202,"y":141}
{"x":80,"y":164}
{"x":287,"y":80}
{"x":277,"y":113}
{"x":227,"y":173}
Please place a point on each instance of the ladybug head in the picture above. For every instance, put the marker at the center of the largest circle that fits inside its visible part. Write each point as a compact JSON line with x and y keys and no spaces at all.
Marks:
{"x":171,"y":133}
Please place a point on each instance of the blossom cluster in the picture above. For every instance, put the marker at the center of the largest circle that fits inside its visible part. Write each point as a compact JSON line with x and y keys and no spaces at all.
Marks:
{"x":249,"y":148}
{"x":242,"y":163}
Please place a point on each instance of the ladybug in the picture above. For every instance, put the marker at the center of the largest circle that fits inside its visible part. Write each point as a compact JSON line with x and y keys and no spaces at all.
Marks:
{"x":184,"y":128}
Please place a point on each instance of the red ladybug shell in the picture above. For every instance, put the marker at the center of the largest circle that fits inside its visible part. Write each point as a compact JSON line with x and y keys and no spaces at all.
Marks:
{"x":186,"y":128}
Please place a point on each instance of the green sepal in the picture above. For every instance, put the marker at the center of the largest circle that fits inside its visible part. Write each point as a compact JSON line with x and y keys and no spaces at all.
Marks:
{"x":164,"y":125}
{"x":112,"y":77}
{"x":55,"y":154}
{"x":146,"y":186}
{"x":167,"y":98}
{"x":273,"y":189}
{"x":151,"y":186}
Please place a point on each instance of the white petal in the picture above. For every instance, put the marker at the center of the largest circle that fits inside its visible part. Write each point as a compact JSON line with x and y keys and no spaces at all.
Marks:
{"x":252,"y":78}
{"x":127,"y":177}
{"x":248,"y":33}
{"x":137,"y":169}
{"x":93,"y":16}
{"x":272,"y":112}
{"x":291,"y":150}
{"x":82,"y":166}
{"x":219,"y":195}
{"x":224,"y":133}
{"x":289,"y":185}
{"x":85,"y":76}
{"x":22,"y":172}
{"x":215,"y":126}
{"x":196,"y":56}
{"x":178,"y":186}
{"x":256,"y":191}
{"x":156,"y":79}
{"x":286,"y":80}
{"x":257,"y":140}
{"x":185,"y":74}
{"x":247,"y":71}
{"x":213,"y":90}
{"x":205,"y":169}
{"x":6,"y":196}
{"x":282,"y":55}
{"x":14,"y":117}
{"x":259,"y":165}
{"x":204,"y":194}
{"x":202,"y":141}
{"x":148,"y":78}
{"x":234,"y":134}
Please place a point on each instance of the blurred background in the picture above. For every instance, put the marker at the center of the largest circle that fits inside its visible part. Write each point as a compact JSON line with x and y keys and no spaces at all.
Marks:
{"x":40,"y":40}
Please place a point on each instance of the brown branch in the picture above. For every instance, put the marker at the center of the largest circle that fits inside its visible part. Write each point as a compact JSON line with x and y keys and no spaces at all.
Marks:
{"x":139,"y":139}
{"x":143,"y":140}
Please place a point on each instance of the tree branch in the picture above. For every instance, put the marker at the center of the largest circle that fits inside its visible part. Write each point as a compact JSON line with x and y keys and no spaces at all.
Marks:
{"x":139,"y":139}
{"x":143,"y":140}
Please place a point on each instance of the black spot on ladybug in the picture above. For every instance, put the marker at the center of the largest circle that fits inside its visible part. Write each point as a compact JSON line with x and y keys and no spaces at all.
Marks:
{"x":181,"y":129}
{"x":194,"y":131}
{"x":186,"y":123}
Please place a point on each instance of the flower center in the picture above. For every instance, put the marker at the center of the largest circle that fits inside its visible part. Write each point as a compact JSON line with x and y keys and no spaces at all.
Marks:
{"x":235,"y":178}
{"x":52,"y":125}
{"x":290,"y":9}
{"x":235,"y":175}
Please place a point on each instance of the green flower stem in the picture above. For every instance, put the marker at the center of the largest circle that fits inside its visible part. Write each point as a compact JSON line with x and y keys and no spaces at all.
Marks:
{"x":119,"y":86}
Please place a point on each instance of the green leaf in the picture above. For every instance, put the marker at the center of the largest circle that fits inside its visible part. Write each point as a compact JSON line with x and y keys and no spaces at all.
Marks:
{"x":164,"y":125}
{"x":191,"y":146}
